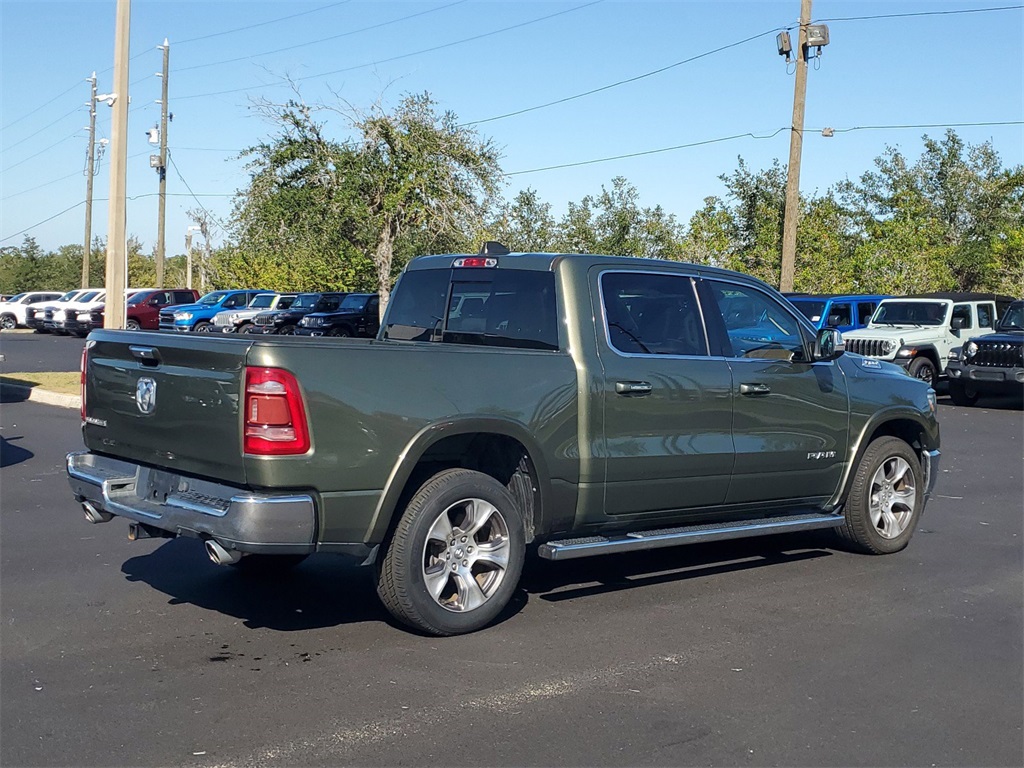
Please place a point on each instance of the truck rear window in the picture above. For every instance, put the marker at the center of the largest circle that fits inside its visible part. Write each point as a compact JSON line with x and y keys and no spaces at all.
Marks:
{"x":494,"y":307}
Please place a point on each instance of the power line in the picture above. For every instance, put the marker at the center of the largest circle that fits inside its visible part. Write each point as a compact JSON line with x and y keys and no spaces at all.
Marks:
{"x":323,"y":39}
{"x":33,"y":135}
{"x":956,"y":12}
{"x":404,"y":55}
{"x":40,"y":223}
{"x":194,"y":196}
{"x":626,"y":81}
{"x":260,"y":24}
{"x":928,"y":125}
{"x":649,"y":152}
{"x":48,"y":103}
{"x":41,"y":151}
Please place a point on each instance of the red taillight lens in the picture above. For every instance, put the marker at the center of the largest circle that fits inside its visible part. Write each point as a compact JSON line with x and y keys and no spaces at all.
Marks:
{"x":274,"y":416}
{"x":83,"y":367}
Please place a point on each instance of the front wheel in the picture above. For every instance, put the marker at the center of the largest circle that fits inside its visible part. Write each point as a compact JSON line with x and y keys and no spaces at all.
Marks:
{"x":8,"y":322}
{"x":962,"y":394}
{"x":885,"y":499}
{"x":340,"y":333}
{"x":456,"y":556}
{"x":247,"y":328}
{"x":132,"y":325}
{"x":924,"y":369}
{"x":287,"y":330}
{"x":203,"y":326}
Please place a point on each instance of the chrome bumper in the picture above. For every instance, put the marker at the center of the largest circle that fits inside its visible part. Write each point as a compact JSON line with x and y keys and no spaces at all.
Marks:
{"x":184,"y":506}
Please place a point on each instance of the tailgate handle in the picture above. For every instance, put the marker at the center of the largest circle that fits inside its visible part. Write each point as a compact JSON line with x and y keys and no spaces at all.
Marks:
{"x":148,"y":355}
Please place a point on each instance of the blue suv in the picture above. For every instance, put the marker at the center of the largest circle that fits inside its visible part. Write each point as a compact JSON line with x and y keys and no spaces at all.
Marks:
{"x":848,"y":312}
{"x":198,"y":317}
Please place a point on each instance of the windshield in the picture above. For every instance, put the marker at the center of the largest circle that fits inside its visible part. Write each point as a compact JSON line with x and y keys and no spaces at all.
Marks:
{"x":69,"y":295}
{"x":810,"y":309}
{"x":14,"y":298}
{"x":353,"y":301}
{"x":212,"y":298}
{"x":1013,"y":318}
{"x":262,"y":301}
{"x":85,"y":297}
{"x":306,"y":301}
{"x":909,"y":313}
{"x":138,"y":298}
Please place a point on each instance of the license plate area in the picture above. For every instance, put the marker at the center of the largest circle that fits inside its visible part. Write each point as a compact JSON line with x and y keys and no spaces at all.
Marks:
{"x":156,"y":485}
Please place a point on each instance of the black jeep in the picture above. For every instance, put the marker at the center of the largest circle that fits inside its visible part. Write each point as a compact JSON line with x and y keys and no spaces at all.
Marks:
{"x":286,"y":321}
{"x":990,"y":364}
{"x":358,"y":315}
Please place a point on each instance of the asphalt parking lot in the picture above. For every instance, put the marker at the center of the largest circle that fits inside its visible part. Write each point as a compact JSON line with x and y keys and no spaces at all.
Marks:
{"x":779,"y":651}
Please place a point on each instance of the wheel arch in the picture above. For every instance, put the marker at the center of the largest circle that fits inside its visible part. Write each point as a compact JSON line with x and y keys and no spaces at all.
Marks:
{"x":502,"y":449}
{"x":907,"y":425}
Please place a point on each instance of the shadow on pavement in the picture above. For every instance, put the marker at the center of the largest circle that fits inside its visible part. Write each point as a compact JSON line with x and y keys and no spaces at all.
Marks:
{"x":14,"y":394}
{"x":11,"y":454}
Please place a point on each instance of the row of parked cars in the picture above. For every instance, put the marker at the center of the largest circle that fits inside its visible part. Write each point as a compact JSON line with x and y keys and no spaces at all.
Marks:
{"x":183,"y":310}
{"x":973,"y":340}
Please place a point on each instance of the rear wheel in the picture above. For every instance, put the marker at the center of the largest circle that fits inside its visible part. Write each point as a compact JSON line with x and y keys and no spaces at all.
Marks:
{"x":924,"y":369}
{"x":962,"y":394}
{"x":203,"y":326}
{"x":885,"y":498}
{"x":247,"y":328}
{"x":132,"y":325}
{"x":456,"y":556}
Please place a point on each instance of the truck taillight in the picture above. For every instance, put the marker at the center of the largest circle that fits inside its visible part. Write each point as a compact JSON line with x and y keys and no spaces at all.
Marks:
{"x":274,"y":416}
{"x":84,"y":366}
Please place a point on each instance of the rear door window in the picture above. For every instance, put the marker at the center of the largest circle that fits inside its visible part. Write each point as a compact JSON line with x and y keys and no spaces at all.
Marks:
{"x":985,"y":314}
{"x":487,"y":307}
{"x":652,"y":314}
{"x":865,"y":309}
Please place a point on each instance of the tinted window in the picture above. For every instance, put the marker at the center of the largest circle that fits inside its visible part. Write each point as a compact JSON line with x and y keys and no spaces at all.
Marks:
{"x":985,"y":314}
{"x":262,"y":301}
{"x":306,"y":301}
{"x":353,"y":301}
{"x":864,"y":311}
{"x":183,"y":297}
{"x":285,"y":302}
{"x":328,"y":303}
{"x":1013,"y":318}
{"x":963,"y":312}
{"x":810,"y":309}
{"x":757,"y":325}
{"x":492,"y":307}
{"x":840,"y":314}
{"x":652,"y":314}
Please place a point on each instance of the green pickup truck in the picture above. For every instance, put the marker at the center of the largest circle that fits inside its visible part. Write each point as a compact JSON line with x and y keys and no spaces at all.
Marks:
{"x":574,"y":405}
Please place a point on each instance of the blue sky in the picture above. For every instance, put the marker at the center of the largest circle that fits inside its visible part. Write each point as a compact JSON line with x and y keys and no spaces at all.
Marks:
{"x":485,"y":58}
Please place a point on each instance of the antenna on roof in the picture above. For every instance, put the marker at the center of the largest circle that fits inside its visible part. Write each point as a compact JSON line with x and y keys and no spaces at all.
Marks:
{"x":493,"y":248}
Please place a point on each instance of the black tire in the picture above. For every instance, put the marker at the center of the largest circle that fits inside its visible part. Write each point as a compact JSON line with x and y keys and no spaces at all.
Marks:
{"x":924,"y":369}
{"x":287,"y":330}
{"x":132,"y":325}
{"x":415,"y":553}
{"x":203,"y":326}
{"x":889,"y":475}
{"x":340,"y":333}
{"x":247,"y":328}
{"x":8,"y":322}
{"x":265,"y":565}
{"x":962,"y":394}
{"x":40,"y":330}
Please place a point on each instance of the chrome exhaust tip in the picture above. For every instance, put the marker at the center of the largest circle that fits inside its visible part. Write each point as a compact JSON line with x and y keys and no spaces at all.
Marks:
{"x":221,"y":556}
{"x":94,"y":515}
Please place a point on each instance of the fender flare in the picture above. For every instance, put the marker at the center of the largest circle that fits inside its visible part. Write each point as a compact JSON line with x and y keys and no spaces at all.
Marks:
{"x":410,"y":456}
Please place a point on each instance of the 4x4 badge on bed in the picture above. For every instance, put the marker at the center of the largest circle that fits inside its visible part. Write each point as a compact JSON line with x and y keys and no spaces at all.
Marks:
{"x":145,"y":395}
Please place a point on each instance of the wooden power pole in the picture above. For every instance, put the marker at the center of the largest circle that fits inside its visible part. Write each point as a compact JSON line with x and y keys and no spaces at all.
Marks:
{"x":796,"y":141}
{"x":117,"y":246}
{"x":162,"y":170}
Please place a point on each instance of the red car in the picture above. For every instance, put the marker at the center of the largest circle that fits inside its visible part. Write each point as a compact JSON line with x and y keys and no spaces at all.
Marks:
{"x":143,"y":310}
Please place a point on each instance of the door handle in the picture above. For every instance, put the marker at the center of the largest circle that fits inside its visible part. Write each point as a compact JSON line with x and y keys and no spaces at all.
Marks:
{"x":633,"y":387}
{"x":755,"y":389}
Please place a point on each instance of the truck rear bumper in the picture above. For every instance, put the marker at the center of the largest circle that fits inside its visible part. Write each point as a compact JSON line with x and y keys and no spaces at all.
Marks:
{"x":184,"y":506}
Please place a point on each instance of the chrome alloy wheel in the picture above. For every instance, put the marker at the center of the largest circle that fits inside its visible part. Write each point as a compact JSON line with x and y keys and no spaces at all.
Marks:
{"x":466,"y":555}
{"x":893,"y":497}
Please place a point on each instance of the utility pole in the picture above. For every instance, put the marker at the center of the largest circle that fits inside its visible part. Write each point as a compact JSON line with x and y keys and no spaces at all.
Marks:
{"x":162,"y":170}
{"x":89,"y":174}
{"x":117,"y":250}
{"x":796,"y":141}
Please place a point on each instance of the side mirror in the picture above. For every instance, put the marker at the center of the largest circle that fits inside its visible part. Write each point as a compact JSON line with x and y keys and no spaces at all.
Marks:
{"x":828,"y":344}
{"x":956,"y":323}
{"x":155,"y":301}
{"x":834,"y":320}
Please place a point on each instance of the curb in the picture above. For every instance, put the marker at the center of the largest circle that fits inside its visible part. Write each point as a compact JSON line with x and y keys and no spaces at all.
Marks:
{"x":45,"y":396}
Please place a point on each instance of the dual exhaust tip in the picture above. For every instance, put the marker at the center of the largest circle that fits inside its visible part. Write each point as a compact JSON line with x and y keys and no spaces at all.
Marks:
{"x":216,"y":551}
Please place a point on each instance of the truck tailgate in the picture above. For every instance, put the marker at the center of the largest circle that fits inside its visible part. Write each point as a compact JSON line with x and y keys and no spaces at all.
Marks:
{"x":169,"y":400}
